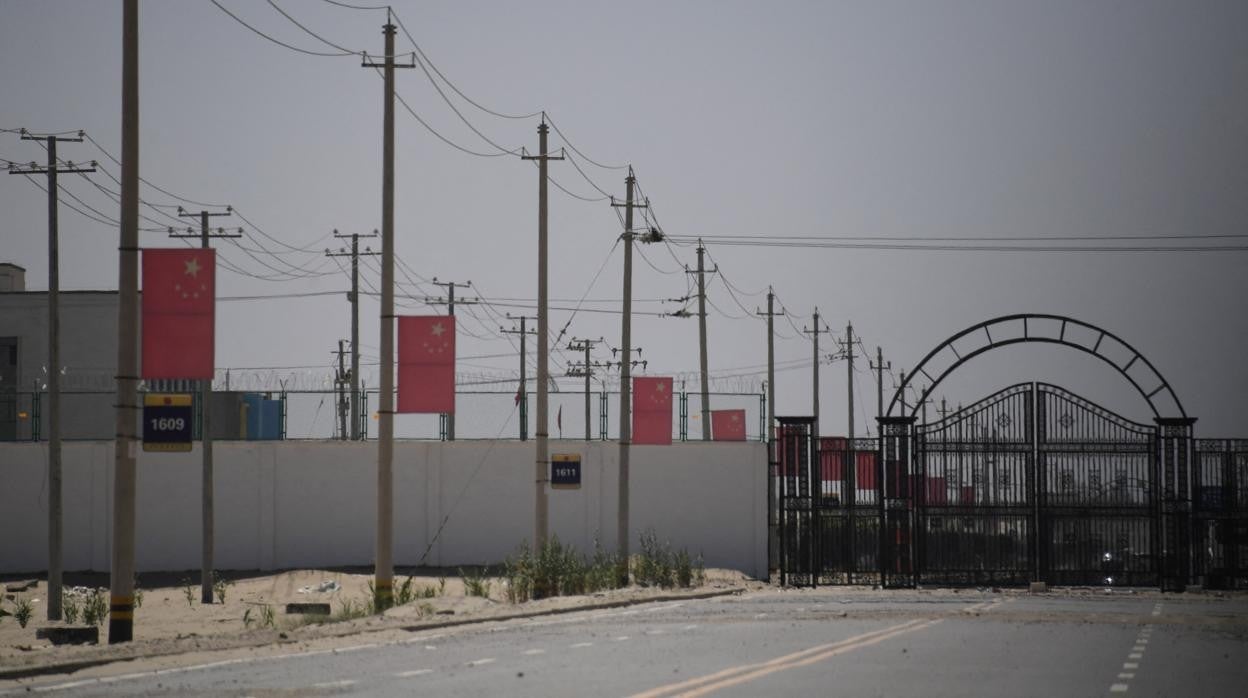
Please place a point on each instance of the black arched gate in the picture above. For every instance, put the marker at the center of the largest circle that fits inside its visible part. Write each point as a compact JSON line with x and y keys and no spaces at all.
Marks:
{"x":1036,"y":484}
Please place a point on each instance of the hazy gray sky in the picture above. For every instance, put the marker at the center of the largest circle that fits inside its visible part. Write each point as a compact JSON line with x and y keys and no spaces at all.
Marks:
{"x":923,"y":119}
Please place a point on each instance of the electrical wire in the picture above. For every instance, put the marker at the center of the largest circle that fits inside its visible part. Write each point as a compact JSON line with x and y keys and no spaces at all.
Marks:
{"x":424,"y":57}
{"x":578,"y":152}
{"x":236,"y":18}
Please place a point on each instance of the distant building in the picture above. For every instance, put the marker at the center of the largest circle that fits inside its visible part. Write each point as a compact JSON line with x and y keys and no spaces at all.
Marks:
{"x":88,"y":359}
{"x":88,"y":364}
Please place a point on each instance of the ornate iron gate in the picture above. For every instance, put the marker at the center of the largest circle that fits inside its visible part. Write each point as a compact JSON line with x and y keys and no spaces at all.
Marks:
{"x":1220,"y":530}
{"x":1032,"y":483}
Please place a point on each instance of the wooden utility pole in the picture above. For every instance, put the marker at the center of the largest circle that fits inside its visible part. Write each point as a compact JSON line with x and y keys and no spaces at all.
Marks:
{"x":55,"y":515}
{"x":522,"y":395}
{"x":449,"y":302}
{"x":208,"y":526}
{"x":771,"y":361}
{"x":814,"y":336}
{"x":383,"y":576}
{"x":702,"y":362}
{"x":586,"y":369}
{"x":121,"y":569}
{"x":354,"y":297}
{"x":541,"y":466}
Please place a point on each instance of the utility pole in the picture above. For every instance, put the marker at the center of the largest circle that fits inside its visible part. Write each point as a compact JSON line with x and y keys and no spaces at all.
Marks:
{"x":340,"y":386}
{"x":943,"y":409}
{"x":523,"y":394}
{"x":55,"y":516}
{"x":705,"y":385}
{"x":121,"y":567}
{"x":849,"y":356}
{"x":541,"y":467}
{"x":626,"y":388}
{"x":771,"y":361}
{"x":814,"y":335}
{"x":205,"y":423}
{"x":449,"y":302}
{"x":879,"y":367}
{"x":383,"y":575}
{"x":586,"y":368}
{"x":354,"y":297}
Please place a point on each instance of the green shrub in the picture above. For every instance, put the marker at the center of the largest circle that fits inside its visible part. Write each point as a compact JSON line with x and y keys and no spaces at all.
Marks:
{"x":95,"y":608}
{"x":22,"y":611}
{"x":475,"y":583}
{"x":71,"y":606}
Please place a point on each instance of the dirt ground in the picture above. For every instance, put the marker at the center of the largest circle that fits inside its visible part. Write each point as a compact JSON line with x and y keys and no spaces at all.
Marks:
{"x":172,"y":620}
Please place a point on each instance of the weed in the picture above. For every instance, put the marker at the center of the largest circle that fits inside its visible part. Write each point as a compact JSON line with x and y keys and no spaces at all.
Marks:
{"x":138,"y":593}
{"x":268,"y":617}
{"x":349,"y":609}
{"x":22,"y":611}
{"x":684,"y":569}
{"x":441,"y":585}
{"x":654,"y":566}
{"x":475,"y":583}
{"x":247,"y":618}
{"x":405,"y":594}
{"x":556,"y":569}
{"x":70,"y":606}
{"x":188,"y":591}
{"x":219,"y":587}
{"x":95,"y":608}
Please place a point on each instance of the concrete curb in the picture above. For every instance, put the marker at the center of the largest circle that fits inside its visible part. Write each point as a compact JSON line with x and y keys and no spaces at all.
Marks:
{"x":70,"y":667}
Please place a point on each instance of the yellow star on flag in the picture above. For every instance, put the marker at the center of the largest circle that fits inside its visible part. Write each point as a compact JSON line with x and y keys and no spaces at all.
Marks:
{"x":192,"y":267}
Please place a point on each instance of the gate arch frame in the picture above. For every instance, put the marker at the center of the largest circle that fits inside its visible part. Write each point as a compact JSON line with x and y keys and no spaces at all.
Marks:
{"x":986,"y":327}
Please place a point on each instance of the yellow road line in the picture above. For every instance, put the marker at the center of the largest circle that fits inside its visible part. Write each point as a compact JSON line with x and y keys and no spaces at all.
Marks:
{"x":731,"y":671}
{"x":743,"y":678}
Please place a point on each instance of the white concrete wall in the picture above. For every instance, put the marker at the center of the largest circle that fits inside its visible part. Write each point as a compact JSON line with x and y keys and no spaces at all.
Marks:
{"x":311,"y":504}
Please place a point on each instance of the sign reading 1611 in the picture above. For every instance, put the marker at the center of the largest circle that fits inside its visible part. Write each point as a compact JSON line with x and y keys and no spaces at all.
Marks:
{"x":166,"y":422}
{"x":565,"y":471}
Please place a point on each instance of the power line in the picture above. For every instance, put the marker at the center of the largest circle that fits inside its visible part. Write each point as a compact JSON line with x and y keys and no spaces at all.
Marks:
{"x":279,"y":42}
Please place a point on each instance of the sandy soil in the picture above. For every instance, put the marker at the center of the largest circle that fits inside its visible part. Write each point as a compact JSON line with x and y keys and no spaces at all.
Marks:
{"x":167,"y":623}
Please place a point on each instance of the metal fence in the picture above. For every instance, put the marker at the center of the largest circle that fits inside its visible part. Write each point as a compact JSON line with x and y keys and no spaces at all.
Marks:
{"x":1033,"y":483}
{"x":325,"y":414}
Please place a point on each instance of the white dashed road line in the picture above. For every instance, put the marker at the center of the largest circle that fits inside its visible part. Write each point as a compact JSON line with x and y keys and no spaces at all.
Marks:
{"x":334,"y":684}
{"x":533,"y":652}
{"x":578,"y":645}
{"x":480,"y":662}
{"x":414,"y":672}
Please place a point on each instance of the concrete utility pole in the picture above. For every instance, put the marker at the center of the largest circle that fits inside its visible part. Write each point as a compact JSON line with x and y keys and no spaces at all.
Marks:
{"x":879,"y":367}
{"x":121,"y":570}
{"x":771,"y":361}
{"x":340,"y":386}
{"x":55,"y":516}
{"x":586,"y":369}
{"x":449,"y":302}
{"x":814,"y":336}
{"x":541,"y":467}
{"x":354,"y":297}
{"x":705,"y":385}
{"x":383,"y":575}
{"x":205,"y":423}
{"x":849,"y":371}
{"x":626,"y":388}
{"x":523,"y":393}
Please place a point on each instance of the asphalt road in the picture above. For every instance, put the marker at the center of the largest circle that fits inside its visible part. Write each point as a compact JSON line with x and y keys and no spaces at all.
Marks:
{"x":825,"y":642}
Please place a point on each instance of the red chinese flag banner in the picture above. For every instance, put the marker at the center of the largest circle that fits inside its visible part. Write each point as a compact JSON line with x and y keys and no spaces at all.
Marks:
{"x":728,"y":425}
{"x":652,"y":411}
{"x":427,"y":364}
{"x":179,"y":300}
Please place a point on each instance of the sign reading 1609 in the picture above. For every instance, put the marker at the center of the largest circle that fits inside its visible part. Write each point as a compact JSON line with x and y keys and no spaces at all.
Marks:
{"x":166,"y":422}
